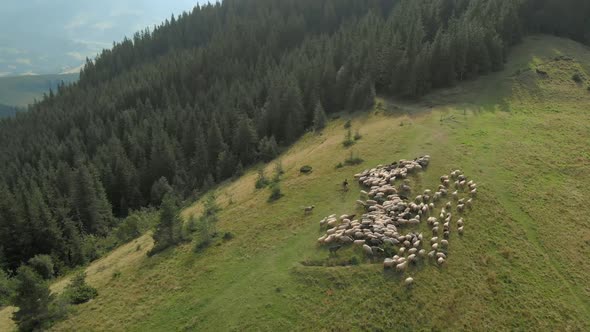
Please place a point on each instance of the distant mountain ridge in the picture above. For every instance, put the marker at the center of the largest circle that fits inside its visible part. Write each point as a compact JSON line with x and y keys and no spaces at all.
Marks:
{"x":23,"y":90}
{"x":7,"y":111}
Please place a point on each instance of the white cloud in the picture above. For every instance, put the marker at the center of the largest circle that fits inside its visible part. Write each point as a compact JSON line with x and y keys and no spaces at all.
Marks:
{"x":77,"y":55}
{"x":23,"y":61}
{"x":5,"y":73}
{"x":76,"y":22}
{"x":29,"y":73}
{"x":103,"y":25}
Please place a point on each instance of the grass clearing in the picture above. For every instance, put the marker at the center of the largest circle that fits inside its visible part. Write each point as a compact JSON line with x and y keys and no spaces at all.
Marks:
{"x":521,"y":265}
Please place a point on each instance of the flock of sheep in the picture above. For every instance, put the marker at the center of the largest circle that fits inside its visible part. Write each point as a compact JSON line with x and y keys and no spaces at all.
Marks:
{"x":388,"y":208}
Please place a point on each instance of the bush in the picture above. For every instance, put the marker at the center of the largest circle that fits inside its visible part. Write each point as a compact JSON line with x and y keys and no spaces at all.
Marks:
{"x":6,"y":289}
{"x":347,"y":124}
{"x":228,"y":236}
{"x":340,"y":165}
{"x":78,"y":291}
{"x":306,"y":169}
{"x":261,"y":181}
{"x":353,"y":160}
{"x":275,"y":193}
{"x":577,"y":77}
{"x":348,"y":141}
{"x":357,"y":135}
{"x":43,"y":265}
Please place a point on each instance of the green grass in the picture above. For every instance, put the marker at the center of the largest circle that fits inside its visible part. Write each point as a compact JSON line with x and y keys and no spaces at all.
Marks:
{"x":521,"y":265}
{"x":23,"y":90}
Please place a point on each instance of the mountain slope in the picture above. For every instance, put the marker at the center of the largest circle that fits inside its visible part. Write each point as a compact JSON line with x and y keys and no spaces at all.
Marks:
{"x":520,"y":265}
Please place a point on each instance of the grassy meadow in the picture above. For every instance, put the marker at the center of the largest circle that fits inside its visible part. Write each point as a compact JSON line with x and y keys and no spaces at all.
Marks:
{"x":521,"y":265}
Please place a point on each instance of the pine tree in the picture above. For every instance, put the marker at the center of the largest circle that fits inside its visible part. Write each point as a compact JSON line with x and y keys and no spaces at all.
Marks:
{"x":167,"y":231}
{"x":319,"y":117}
{"x":245,"y":141}
{"x":33,"y":299}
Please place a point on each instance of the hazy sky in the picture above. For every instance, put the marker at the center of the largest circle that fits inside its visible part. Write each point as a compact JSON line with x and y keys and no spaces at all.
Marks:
{"x":53,"y":36}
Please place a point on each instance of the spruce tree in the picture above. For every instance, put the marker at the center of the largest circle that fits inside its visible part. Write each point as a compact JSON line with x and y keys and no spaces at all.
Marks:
{"x":319,"y":117}
{"x":33,"y":298}
{"x":167,"y":231}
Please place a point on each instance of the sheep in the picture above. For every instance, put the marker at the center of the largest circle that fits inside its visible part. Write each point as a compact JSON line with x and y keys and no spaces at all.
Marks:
{"x":422,"y":253}
{"x":435,"y":246}
{"x":367,"y":250}
{"x":431,"y":254}
{"x":440,"y":261}
{"x":431,"y":220}
{"x":434,"y":230}
{"x":446,"y":183}
{"x":419,"y":199}
{"x":444,"y":178}
{"x":321,"y":239}
{"x":434,"y":239}
{"x":409,"y":281}
{"x":401,"y":251}
{"x":402,"y":266}
{"x":460,"y":222}
{"x":308,"y":209}
{"x":473,"y":193}
{"x":388,"y":262}
{"x":358,"y":242}
{"x":469,"y":203}
{"x":441,"y":255}
{"x":411,"y":257}
{"x":448,"y":206}
{"x":444,"y":243}
{"x":460,"y":230}
{"x":412,"y":251}
{"x":460,"y":207}
{"x":431,"y":206}
{"x":455,"y":195}
{"x":416,"y":244}
{"x":446,"y":234}
{"x":436,"y":196}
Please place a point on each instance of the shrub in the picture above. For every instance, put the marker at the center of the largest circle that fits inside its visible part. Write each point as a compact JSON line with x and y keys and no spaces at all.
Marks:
{"x":228,"y":236}
{"x":116,"y":274}
{"x":261,"y":181}
{"x":357,"y":135}
{"x":348,"y":141}
{"x":6,"y":289}
{"x":306,"y":169}
{"x":275,"y":193}
{"x":43,"y":265}
{"x":78,"y":291}
{"x":353,"y":160}
{"x":347,"y":124}
{"x":340,"y":165}
{"x":577,"y":77}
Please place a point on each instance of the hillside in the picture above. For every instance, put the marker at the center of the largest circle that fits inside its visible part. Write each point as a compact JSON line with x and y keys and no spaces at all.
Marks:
{"x":520,"y":265}
{"x":24,"y":90}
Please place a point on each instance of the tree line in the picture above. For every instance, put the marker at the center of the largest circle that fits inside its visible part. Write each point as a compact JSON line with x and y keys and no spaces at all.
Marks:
{"x":197,"y":99}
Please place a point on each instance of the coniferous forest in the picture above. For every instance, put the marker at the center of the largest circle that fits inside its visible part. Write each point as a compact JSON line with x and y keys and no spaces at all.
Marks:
{"x":197,"y":99}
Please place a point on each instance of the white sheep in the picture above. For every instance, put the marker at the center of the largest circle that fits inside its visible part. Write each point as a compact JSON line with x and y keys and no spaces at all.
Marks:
{"x":460,"y":229}
{"x":434,"y":239}
{"x":409,"y":281}
{"x":422,"y":253}
{"x":367,"y":250}
{"x":402,"y":266}
{"x":388,"y":262}
{"x":444,"y":243}
{"x":440,"y":261}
